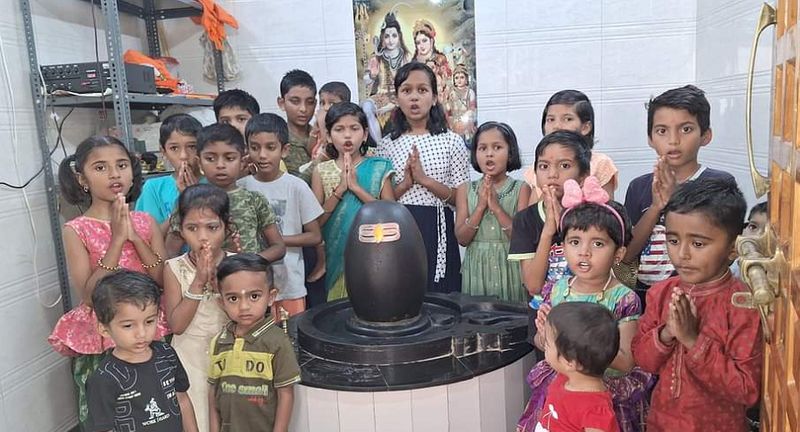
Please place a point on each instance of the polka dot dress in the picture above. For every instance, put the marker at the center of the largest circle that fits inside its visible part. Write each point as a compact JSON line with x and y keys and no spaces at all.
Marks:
{"x":445,"y":159}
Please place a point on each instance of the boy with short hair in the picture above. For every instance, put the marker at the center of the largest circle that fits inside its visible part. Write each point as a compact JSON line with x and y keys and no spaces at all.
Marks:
{"x":178,"y":139}
{"x":706,"y":350}
{"x":140,"y":384}
{"x":331,"y":93}
{"x":678,"y":124}
{"x":221,"y":149}
{"x":293,"y":202}
{"x":235,"y":107}
{"x":298,"y":99}
{"x":246,"y":293}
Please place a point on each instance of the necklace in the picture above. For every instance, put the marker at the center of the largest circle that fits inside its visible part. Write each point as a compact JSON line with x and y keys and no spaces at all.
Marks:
{"x":394,"y":62}
{"x":508,"y":186}
{"x":463,"y":96}
{"x":600,"y":295}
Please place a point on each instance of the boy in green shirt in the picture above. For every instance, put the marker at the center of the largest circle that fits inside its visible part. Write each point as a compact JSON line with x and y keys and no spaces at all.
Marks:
{"x":253,"y":365}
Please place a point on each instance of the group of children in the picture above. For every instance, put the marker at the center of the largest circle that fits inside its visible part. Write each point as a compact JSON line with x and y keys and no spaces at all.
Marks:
{"x":252,"y":228}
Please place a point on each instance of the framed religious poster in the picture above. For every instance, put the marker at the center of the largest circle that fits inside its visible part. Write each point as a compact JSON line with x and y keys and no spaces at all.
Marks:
{"x":441,"y":34}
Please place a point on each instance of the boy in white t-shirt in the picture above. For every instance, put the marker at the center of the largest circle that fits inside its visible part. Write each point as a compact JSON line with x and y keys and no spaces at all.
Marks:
{"x":292,"y":201}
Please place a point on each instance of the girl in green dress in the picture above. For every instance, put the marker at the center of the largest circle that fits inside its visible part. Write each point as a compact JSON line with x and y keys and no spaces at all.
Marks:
{"x":484,"y":212}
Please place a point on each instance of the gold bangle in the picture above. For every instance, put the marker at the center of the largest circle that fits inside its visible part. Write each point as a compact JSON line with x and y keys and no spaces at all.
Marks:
{"x":105,"y":267}
{"x":158,"y":262}
{"x":337,"y":196}
{"x":466,"y":222}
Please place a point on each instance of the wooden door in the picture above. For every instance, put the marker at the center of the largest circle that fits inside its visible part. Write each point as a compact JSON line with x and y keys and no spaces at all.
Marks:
{"x":771,"y":265}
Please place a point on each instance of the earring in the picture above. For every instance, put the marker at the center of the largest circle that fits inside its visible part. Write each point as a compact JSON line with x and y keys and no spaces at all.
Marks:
{"x":86,"y":189}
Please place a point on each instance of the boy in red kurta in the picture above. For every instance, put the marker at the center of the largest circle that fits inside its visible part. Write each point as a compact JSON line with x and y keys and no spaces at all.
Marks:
{"x":707,"y":352}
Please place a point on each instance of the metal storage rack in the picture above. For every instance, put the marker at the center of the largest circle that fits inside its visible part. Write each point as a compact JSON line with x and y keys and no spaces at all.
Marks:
{"x":122,"y":101}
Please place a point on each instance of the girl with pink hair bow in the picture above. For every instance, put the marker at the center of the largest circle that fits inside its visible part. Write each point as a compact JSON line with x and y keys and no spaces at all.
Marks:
{"x":595,"y":232}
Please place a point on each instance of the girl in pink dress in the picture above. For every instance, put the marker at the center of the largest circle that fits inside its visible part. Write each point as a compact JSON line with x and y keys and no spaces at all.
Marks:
{"x":105,"y":176}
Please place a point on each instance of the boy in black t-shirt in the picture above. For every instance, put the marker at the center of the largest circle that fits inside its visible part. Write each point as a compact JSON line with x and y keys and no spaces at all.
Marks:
{"x":678,"y":124}
{"x":140,"y":385}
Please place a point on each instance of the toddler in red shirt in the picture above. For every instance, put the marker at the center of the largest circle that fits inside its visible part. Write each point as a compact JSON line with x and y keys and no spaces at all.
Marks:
{"x":581,"y":341}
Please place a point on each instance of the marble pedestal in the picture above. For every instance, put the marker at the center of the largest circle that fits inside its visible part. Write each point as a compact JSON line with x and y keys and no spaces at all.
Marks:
{"x":489,"y":402}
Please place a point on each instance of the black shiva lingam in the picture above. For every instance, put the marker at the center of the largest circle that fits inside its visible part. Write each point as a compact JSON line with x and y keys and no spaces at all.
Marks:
{"x":390,"y":335}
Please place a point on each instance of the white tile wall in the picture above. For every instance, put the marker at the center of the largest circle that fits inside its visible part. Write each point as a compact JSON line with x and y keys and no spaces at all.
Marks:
{"x":619,"y":52}
{"x":464,"y":406}
{"x":429,"y":410}
{"x":36,"y":390}
{"x":273,"y":38}
{"x":393,"y":411}
{"x":725,"y":32}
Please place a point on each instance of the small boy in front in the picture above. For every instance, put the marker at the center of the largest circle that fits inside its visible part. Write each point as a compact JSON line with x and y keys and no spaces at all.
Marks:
{"x":178,"y":139}
{"x":253,"y":366}
{"x":221,"y":148}
{"x":707,"y":351}
{"x":678,"y":124}
{"x":140,"y":385}
{"x":581,"y":341}
{"x":298,"y":99}
{"x":293,"y":202}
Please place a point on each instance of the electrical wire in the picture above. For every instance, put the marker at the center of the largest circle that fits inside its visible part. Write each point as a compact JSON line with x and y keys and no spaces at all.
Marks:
{"x":59,"y":142}
{"x":14,"y":148}
{"x":44,"y":96}
{"x":59,"y":128}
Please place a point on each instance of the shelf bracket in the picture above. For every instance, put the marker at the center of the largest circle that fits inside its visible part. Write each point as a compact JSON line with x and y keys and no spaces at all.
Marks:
{"x":41,"y":135}
{"x":151,"y":27}
{"x":119,"y":81}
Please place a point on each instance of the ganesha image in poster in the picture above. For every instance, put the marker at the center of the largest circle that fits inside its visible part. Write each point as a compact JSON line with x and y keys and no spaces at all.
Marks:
{"x":440,"y":34}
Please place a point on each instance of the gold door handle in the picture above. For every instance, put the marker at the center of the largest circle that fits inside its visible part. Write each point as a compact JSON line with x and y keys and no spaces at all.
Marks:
{"x":766,"y":19}
{"x":762,"y":275}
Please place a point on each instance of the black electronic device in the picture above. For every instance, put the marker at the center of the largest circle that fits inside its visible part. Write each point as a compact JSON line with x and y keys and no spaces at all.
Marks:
{"x":85,"y":78}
